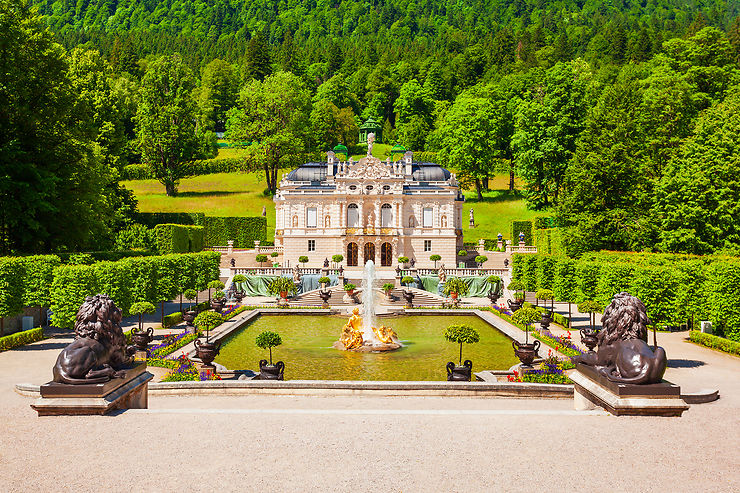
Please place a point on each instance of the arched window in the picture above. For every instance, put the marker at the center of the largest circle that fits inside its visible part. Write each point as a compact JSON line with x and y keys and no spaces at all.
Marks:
{"x":369,"y":252}
{"x":353,"y":216}
{"x":352,"y":254}
{"x":386,"y":216}
{"x":386,"y":254}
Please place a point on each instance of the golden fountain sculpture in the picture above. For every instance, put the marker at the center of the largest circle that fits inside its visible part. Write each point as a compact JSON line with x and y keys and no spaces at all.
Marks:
{"x":354,"y":337}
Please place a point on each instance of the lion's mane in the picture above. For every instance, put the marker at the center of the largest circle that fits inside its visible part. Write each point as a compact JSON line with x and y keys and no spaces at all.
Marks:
{"x":99,"y":318}
{"x":625,"y":318}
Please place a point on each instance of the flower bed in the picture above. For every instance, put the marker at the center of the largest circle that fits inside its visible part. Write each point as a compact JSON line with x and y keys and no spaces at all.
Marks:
{"x":550,"y":371}
{"x":562,"y":344}
{"x":171,"y":343}
{"x":184,"y":370}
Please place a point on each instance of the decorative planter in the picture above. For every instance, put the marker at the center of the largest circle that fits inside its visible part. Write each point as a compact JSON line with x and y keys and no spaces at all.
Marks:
{"x":409,"y":297}
{"x":271,"y":372}
{"x":453,"y":295}
{"x":350,"y":292}
{"x":325,"y":295}
{"x":589,"y":338}
{"x":239,"y":296}
{"x":188,"y":317}
{"x":493,"y":297}
{"x":142,"y":338}
{"x":217,"y":306}
{"x":514,"y":305}
{"x":526,"y":352}
{"x":457,"y":373}
{"x":207,"y":351}
{"x":546,"y":320}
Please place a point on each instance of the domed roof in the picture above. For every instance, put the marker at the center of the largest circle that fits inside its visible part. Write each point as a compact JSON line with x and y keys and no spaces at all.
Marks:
{"x":429,"y":172}
{"x":308,"y":172}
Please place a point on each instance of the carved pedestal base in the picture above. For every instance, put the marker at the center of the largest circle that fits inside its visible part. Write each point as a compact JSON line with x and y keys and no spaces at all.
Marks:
{"x":593,"y":391}
{"x":63,"y":399}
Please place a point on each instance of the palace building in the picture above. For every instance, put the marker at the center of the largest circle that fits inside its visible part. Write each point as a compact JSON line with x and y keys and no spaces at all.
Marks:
{"x":369,"y":210}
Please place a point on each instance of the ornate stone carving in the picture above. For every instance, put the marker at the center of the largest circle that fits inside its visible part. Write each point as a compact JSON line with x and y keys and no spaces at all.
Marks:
{"x":369,"y":167}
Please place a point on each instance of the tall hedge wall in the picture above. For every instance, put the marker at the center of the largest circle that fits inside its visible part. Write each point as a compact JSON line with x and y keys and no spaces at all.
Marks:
{"x":25,"y":281}
{"x":521,"y":226}
{"x":127,"y":281}
{"x":674,"y":288}
{"x":549,"y":241}
{"x":151,"y":219}
{"x":178,"y":238}
{"x":243,"y":230}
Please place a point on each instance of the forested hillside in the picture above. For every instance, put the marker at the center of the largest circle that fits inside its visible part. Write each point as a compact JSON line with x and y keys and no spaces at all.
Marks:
{"x":619,"y":117}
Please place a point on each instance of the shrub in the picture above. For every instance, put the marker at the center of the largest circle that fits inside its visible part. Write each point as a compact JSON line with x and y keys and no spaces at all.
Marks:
{"x":178,"y":238}
{"x":435,"y":258}
{"x":407,"y":280}
{"x":140,"y":308}
{"x":237,"y":278}
{"x":545,"y":271}
{"x":461,"y":334}
{"x":172,"y":319}
{"x":268,"y":340}
{"x":481,"y":259}
{"x":455,"y":285}
{"x":21,"y":338}
{"x":261,"y":258}
{"x":529,"y":272}
{"x":403,"y":260}
{"x":711,"y":341}
{"x":81,"y":259}
{"x":208,"y":321}
{"x":526,"y":316}
{"x":388,"y":287}
{"x":324,"y":280}
{"x":337,"y":258}
{"x":462,"y":253}
{"x":274,"y":254}
{"x":136,"y":237}
{"x":219,"y":295}
{"x":217,"y":284}
{"x":303,"y":259}
{"x":281,"y":285}
{"x":565,"y":283}
{"x":349,"y":286}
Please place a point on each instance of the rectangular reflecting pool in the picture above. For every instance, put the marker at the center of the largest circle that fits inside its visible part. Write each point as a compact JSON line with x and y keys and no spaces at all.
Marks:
{"x":308,"y":354}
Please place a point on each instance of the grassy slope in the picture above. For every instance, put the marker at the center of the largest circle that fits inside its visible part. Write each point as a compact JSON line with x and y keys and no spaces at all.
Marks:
{"x":240,"y":194}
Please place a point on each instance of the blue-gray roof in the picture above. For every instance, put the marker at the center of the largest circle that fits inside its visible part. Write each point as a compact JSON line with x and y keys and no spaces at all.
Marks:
{"x":317,"y":172}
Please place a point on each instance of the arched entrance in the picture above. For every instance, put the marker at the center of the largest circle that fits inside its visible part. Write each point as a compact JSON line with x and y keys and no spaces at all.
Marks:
{"x":352,"y":254}
{"x":369,"y":252}
{"x":386,"y":254}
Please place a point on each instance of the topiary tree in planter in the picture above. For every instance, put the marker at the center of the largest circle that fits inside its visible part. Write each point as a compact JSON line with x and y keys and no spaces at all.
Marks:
{"x":324,"y":280}
{"x":217,"y":284}
{"x":461,"y":334}
{"x":337,"y":259}
{"x":455,"y":287}
{"x":269,"y":340}
{"x":403,"y":261}
{"x":518,"y":289}
{"x":388,"y":287}
{"x":350,"y":288}
{"x":408,"y":295}
{"x":526,"y":352}
{"x":434,"y":258}
{"x":526,"y":316}
{"x":274,"y":254}
{"x":407,"y":280}
{"x":591,"y":307}
{"x":480,"y":260}
{"x":303,"y":259}
{"x":190,"y":295}
{"x":207,"y":321}
{"x":495,"y":291}
{"x":544,"y":294}
{"x":462,"y":253}
{"x":207,"y":351}
{"x":261,"y":258}
{"x":140,"y":308}
{"x":238,"y":279}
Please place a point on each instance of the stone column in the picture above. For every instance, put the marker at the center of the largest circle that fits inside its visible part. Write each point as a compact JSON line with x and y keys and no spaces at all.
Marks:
{"x":229,"y":247}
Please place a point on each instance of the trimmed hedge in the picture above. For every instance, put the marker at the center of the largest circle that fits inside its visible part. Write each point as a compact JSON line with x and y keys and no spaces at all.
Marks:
{"x":21,"y":338}
{"x":549,"y":241}
{"x":675,"y":288}
{"x":217,"y":229}
{"x":178,"y":238}
{"x":175,"y":318}
{"x":25,"y":281}
{"x":151,"y":219}
{"x":559,"y":319}
{"x":127,"y":281}
{"x":107,"y":255}
{"x":521,"y":227}
{"x":715,"y":342}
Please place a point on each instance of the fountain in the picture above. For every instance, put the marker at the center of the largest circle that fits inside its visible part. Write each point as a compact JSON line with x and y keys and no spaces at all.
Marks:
{"x":360,"y":333}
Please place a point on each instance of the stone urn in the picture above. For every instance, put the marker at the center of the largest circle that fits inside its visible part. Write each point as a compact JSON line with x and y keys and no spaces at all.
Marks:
{"x":189,"y":317}
{"x":514,"y":305}
{"x":589,"y":338}
{"x":456,"y":373}
{"x":141,"y":338}
{"x":207,"y":351}
{"x":217,"y":305}
{"x":324,"y":294}
{"x":271,"y":372}
{"x":493,"y":296}
{"x":546,"y":319}
{"x":239,"y":296}
{"x":409,"y":297}
{"x":526,"y":352}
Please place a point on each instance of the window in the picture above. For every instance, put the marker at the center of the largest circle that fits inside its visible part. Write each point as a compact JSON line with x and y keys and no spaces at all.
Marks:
{"x":386,"y":187}
{"x":311,"y":245}
{"x":352,"y":254}
{"x":311,"y":217}
{"x":353,"y":187}
{"x":427,"y":245}
{"x":428,"y":215}
{"x":353,"y":216}
{"x":386,"y":216}
{"x":369,"y":187}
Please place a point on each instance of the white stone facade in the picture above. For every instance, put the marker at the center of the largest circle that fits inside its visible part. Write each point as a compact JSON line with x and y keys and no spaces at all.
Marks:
{"x":380,"y":209}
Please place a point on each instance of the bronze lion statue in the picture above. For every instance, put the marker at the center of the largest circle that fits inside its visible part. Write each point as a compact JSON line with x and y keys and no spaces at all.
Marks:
{"x":99,"y":350}
{"x":623,"y":353}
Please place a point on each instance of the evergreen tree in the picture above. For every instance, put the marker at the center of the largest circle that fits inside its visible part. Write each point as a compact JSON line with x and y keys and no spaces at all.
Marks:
{"x":257,"y":58}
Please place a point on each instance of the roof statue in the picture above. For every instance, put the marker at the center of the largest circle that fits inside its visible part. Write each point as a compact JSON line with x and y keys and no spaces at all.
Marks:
{"x":370,"y":141}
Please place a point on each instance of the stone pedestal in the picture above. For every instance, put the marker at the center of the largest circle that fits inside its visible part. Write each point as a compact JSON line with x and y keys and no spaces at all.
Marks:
{"x":593,"y":391}
{"x":131,"y":392}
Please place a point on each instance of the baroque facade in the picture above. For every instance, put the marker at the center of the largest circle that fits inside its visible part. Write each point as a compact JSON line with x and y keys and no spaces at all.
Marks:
{"x":369,"y":210}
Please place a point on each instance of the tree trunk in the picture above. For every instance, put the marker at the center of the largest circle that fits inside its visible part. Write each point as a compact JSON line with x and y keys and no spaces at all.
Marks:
{"x":511,"y":176}
{"x":170,"y":188}
{"x":478,"y":189}
{"x":161,"y":304}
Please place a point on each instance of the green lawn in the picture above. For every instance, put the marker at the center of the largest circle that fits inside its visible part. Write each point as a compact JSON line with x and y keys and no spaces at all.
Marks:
{"x":240,"y":194}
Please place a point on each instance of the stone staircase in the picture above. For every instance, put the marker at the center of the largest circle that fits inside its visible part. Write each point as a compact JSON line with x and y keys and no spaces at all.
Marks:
{"x":421,"y":298}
